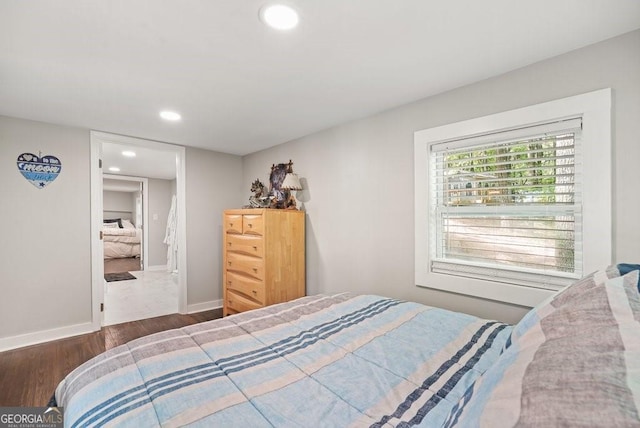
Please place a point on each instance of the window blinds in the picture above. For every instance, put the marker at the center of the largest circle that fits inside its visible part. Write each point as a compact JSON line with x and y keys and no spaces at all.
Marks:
{"x":507,"y":205}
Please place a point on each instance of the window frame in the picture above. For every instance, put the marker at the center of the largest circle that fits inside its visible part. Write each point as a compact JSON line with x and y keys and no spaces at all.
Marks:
{"x":595,"y":110}
{"x":510,"y":273}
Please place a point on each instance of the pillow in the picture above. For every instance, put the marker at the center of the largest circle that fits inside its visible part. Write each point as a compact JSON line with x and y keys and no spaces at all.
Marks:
{"x":126,"y":224}
{"x":625,"y":268}
{"x":113,"y":220}
{"x":578,"y":366}
{"x":631,"y":298}
{"x":576,"y":291}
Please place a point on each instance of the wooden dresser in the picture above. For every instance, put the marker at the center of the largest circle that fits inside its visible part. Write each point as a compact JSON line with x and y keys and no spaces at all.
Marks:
{"x":263,"y":256}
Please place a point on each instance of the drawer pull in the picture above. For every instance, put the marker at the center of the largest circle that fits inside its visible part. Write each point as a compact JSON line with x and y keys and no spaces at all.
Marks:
{"x":229,"y":263}
{"x":229,"y":282}
{"x":255,"y":270}
{"x":255,"y":247}
{"x":250,"y":225}
{"x":254,"y":292}
{"x":229,"y":243}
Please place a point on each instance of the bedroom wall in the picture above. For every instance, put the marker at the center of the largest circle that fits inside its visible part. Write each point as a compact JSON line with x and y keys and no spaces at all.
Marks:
{"x":133,"y":196}
{"x":358,"y":177}
{"x":46,"y":248}
{"x":119,"y":201}
{"x":214,"y":183}
{"x":45,"y":251}
{"x":160,"y":193}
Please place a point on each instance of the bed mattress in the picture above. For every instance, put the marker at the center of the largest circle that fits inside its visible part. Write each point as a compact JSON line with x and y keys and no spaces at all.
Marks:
{"x":338,"y":360}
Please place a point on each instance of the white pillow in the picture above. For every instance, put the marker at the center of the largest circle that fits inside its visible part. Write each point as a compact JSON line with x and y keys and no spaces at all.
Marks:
{"x":126,"y":224}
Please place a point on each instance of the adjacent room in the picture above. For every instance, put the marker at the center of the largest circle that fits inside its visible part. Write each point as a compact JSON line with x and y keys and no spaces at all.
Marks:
{"x":335,"y":213}
{"x":139,"y":189}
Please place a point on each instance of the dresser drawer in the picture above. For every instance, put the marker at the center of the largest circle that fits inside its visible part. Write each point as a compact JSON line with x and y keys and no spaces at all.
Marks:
{"x":252,"y":224}
{"x":252,"y":266}
{"x":247,"y":244}
{"x":252,"y":288}
{"x":263,"y":257}
{"x":238,"y":303}
{"x":232,"y":223}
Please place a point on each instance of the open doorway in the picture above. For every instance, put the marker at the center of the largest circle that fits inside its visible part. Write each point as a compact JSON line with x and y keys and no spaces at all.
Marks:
{"x":126,"y":227}
{"x":135,"y":184}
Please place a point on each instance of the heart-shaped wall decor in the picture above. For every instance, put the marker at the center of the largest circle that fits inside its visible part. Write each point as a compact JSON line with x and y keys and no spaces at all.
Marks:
{"x":39,"y":171}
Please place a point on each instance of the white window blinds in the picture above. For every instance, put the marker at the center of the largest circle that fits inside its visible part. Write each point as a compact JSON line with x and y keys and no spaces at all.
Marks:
{"x":506,"y":206}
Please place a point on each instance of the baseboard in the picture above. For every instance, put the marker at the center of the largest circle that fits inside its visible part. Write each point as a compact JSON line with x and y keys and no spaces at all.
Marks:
{"x":28,"y":339}
{"x":204,"y":306}
{"x":157,"y":267}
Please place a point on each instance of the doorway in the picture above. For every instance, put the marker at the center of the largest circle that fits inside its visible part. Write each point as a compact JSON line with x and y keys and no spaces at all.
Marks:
{"x":125,"y":207}
{"x":103,"y":146}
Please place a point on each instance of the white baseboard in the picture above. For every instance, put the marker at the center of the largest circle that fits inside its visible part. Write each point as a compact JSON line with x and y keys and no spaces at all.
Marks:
{"x":34,"y":338}
{"x":204,"y":306}
{"x":157,"y":267}
{"x":28,"y":339}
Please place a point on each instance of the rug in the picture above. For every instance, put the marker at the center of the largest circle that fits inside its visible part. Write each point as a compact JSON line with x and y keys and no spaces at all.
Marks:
{"x":120,"y":276}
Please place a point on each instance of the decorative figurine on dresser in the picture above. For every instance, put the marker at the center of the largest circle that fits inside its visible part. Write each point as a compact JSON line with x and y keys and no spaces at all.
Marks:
{"x":263,"y":245}
{"x":282,"y":183}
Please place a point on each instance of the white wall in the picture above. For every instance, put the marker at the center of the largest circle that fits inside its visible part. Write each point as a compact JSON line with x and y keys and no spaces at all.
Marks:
{"x":46,"y":248}
{"x":359,"y":176}
{"x":214,"y":183}
{"x":119,"y":201}
{"x":45,"y":252}
{"x":160,"y":193}
{"x":359,"y":197}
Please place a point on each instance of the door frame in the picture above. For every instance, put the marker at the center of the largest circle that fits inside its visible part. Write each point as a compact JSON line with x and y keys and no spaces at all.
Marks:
{"x":145,"y":212}
{"x":97,"y":250}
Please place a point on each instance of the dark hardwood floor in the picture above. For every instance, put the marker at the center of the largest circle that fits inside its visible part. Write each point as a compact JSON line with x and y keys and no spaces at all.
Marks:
{"x":29,"y":376}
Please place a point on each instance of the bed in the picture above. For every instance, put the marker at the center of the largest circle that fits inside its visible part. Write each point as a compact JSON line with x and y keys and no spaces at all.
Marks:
{"x":361,"y":360}
{"x":121,"y":239}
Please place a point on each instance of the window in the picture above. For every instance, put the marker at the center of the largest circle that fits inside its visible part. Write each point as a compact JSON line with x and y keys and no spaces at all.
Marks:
{"x":507,"y":205}
{"x":508,"y":209}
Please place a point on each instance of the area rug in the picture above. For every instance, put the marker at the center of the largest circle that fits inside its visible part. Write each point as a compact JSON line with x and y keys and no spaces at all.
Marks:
{"x":120,"y":276}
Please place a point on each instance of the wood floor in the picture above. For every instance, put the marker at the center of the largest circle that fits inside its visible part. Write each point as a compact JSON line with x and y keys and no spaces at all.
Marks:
{"x":29,"y":376}
{"x":130,"y":264}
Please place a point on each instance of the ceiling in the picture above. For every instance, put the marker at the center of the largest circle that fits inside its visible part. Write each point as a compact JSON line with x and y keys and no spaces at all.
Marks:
{"x":148,"y":163}
{"x":115,"y":185}
{"x":242,"y":87}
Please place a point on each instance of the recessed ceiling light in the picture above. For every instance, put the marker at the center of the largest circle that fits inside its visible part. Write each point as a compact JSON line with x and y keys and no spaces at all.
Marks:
{"x":114,"y":169}
{"x":170,"y":115}
{"x":279,"y":16}
{"x":129,"y":154}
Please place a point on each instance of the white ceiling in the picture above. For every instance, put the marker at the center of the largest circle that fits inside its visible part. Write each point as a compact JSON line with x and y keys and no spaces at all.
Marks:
{"x":148,"y":163}
{"x":241,"y":87}
{"x":116,"y":185}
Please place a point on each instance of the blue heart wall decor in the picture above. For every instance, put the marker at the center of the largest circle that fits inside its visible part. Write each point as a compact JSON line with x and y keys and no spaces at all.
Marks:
{"x":39,"y":171}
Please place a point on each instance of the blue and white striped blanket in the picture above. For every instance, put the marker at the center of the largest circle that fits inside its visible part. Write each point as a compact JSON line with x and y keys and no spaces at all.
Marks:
{"x":334,"y":361}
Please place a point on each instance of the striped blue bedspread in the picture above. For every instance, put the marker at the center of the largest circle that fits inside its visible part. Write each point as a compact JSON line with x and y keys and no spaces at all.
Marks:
{"x":335,"y":361}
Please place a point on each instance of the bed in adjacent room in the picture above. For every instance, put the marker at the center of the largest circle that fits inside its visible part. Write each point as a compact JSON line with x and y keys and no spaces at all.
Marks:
{"x":361,"y":360}
{"x":121,"y":239}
